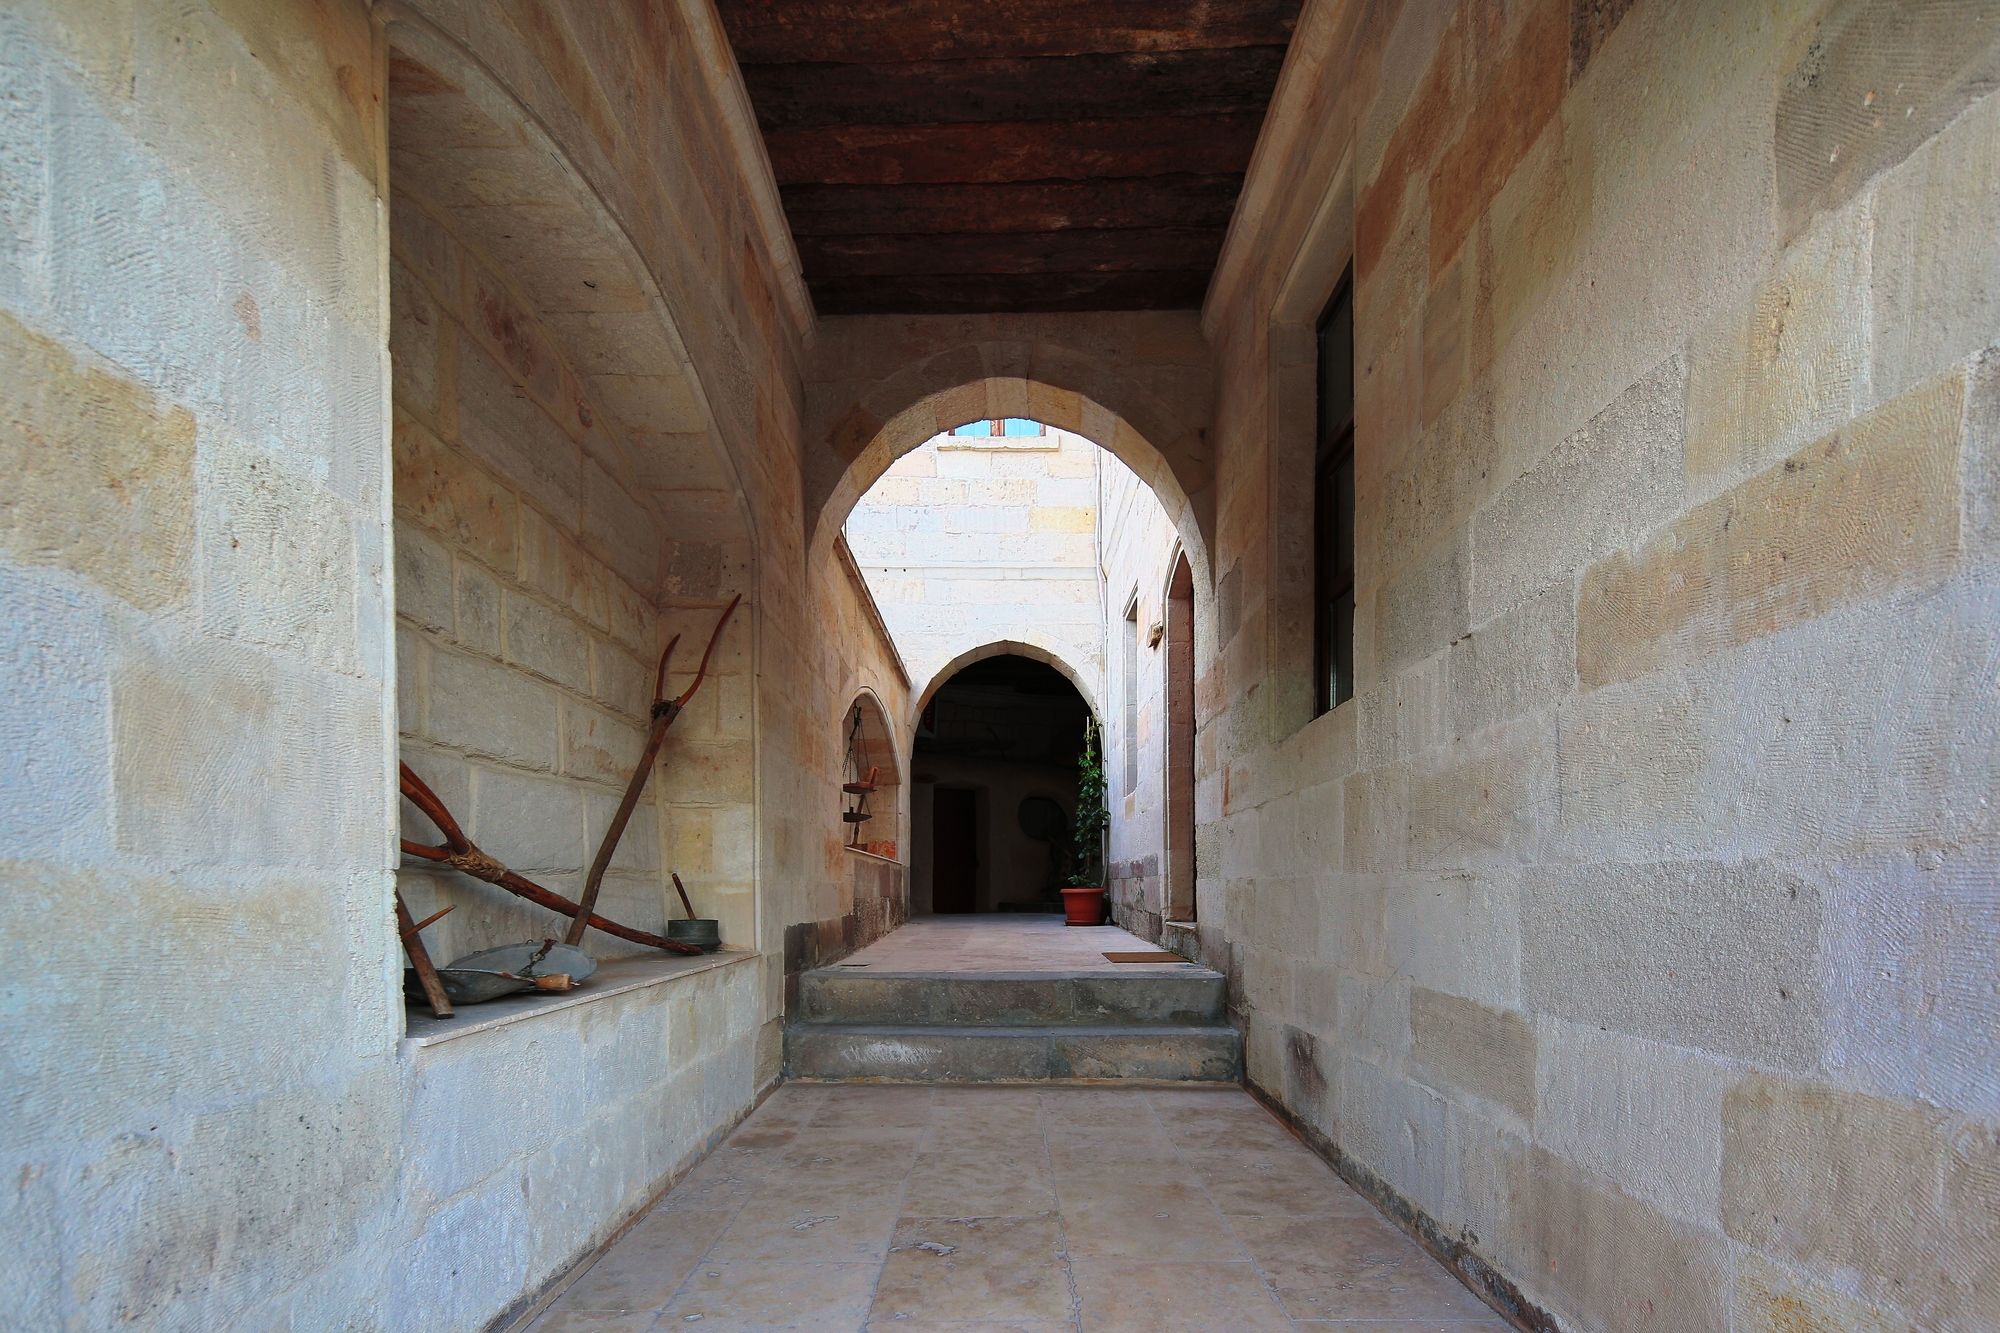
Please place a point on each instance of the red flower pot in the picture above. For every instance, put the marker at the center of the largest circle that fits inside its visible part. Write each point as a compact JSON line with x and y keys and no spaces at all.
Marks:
{"x":1083,"y":907}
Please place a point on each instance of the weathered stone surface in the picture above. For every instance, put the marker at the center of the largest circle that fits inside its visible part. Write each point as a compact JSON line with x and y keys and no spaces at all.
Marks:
{"x":1876,"y":79}
{"x":1604,"y":486}
{"x":1470,"y":1048}
{"x":1679,"y":954}
{"x":1896,"y":1192}
{"x":486,"y":709}
{"x":1872,"y":507}
{"x":1772,"y":1299}
{"x":1609,"y":1261}
{"x":102,"y":472}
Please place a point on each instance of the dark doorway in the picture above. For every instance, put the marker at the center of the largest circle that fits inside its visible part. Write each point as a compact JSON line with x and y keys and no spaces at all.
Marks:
{"x":955,"y":850}
{"x":997,"y":748}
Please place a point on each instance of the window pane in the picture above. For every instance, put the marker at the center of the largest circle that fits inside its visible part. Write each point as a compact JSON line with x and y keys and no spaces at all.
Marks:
{"x":1017,"y":427}
{"x":1336,"y":363}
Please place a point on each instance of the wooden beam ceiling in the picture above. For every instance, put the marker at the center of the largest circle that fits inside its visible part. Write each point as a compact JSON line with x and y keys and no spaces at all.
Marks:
{"x":1009,"y":155}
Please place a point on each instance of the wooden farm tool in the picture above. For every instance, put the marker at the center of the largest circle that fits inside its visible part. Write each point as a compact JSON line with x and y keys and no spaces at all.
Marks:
{"x":686,"y":906}
{"x":420,"y":957}
{"x":665,"y":710}
{"x":459,"y":853}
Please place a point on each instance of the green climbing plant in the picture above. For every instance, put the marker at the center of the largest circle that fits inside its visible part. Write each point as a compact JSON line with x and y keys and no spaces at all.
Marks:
{"x":1087,"y":829}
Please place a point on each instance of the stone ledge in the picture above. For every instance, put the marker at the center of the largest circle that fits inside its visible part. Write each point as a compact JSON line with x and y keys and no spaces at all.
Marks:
{"x":619,"y":976}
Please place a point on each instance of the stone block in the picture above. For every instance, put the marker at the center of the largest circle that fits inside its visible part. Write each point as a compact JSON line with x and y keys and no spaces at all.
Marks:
{"x":1460,"y":1045}
{"x":277,"y":561}
{"x":1612,"y":481}
{"x":55,"y":649}
{"x":1422,"y":608}
{"x":1518,"y":662}
{"x":599,"y":745}
{"x":545,"y":642}
{"x":1607,"y":1260}
{"x":1936,"y":300}
{"x":1913,"y":979}
{"x":531,"y":823}
{"x":476,"y":603}
{"x":1486,"y":802}
{"x":1643,"y":1116}
{"x":1722,"y":958}
{"x":416,"y":329}
{"x":199,"y":727}
{"x":1373,"y":806}
{"x":1061,"y":518}
{"x":1788,"y":366}
{"x":452,"y":496}
{"x":1896,"y":1194}
{"x":101,"y":473}
{"x":1457,"y":933}
{"x":490,"y":710}
{"x":1872,"y":507}
{"x":1876,"y":79}
{"x":1770,"y":1298}
{"x":423,"y":580}
{"x":499,"y":424}
{"x":554,"y":565}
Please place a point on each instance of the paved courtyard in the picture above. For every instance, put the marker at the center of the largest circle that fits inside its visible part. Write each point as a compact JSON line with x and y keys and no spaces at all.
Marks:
{"x":1032,"y":1209}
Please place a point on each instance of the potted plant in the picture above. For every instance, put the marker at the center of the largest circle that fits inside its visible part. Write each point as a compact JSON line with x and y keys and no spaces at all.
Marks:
{"x":1083,"y":900}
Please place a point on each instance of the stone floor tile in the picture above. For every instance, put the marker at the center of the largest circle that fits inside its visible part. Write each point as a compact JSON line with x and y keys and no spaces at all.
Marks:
{"x":1145,"y":1219}
{"x":1353,"y":1268}
{"x":641,"y":1272}
{"x":780,"y":1226}
{"x":973,"y":1182}
{"x":750,"y":1297}
{"x":1119,"y":1296}
{"x":962,"y":1269}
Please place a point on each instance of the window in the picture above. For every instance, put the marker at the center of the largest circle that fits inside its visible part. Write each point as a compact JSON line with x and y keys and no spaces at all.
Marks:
{"x":1130,"y":673}
{"x":1333,"y":505}
{"x":1010,"y":428}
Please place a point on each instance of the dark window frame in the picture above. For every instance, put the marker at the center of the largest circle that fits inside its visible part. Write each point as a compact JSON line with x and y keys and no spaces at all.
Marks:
{"x":1333,"y":504}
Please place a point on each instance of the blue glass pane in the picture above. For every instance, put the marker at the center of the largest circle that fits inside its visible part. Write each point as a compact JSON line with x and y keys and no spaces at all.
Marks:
{"x":1020,"y":426}
{"x":972,"y":428}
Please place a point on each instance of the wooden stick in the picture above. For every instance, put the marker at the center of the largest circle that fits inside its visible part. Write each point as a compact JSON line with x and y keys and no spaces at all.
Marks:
{"x":460,"y":854}
{"x":664,"y":714}
{"x":420,"y":958}
{"x":446,"y":910}
{"x":684,"y":896}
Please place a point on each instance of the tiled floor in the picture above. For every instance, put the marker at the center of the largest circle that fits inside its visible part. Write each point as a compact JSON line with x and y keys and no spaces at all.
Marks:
{"x":1002,"y":942}
{"x":1033,"y":1209}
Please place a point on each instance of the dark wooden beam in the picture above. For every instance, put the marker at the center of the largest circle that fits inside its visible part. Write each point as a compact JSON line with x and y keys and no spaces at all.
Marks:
{"x":1047,"y":150}
{"x":882,"y":31}
{"x":1231,"y":80}
{"x":976,"y":293}
{"x":1137,"y":249}
{"x":1138,"y":201}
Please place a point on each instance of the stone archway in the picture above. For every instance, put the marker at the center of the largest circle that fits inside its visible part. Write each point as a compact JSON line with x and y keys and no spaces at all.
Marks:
{"x":1091,"y":690}
{"x":1137,"y":385}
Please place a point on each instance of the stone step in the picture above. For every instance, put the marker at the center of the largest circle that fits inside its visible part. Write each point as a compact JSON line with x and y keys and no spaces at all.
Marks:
{"x":922,"y":1053}
{"x":1158,"y":997}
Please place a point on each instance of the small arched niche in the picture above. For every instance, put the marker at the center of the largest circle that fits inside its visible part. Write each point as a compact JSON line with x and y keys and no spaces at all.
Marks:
{"x":871,"y":781}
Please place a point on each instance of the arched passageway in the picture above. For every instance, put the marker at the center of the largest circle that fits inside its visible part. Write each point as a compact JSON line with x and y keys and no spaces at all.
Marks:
{"x":994,"y":786}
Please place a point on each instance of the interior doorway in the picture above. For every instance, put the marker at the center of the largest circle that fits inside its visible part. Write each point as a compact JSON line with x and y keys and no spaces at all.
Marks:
{"x":996,"y":747}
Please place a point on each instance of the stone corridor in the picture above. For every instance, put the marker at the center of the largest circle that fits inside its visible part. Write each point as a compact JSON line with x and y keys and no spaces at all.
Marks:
{"x":1030,"y":1209}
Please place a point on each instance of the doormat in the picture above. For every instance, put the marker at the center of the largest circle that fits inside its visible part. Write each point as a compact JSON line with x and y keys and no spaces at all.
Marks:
{"x":1148,"y":956}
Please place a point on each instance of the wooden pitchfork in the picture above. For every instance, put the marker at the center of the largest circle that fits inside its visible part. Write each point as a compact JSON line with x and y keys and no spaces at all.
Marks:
{"x":665,"y":710}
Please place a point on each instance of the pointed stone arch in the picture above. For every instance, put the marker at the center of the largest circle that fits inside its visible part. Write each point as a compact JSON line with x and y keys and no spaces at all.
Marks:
{"x":1034,"y":652}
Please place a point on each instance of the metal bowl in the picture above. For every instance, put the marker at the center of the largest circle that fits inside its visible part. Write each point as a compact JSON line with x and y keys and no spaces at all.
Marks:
{"x":702,"y":931}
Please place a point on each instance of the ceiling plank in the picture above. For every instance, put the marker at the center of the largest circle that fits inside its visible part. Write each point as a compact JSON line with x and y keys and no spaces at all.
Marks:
{"x":1136,"y":201}
{"x":975,"y":293}
{"x":1226,"y":81}
{"x":1138,"y":249}
{"x":880,"y":31}
{"x":1048,"y":150}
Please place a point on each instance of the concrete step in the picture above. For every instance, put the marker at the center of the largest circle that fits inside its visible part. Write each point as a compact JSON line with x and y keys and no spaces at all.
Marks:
{"x":1156,"y":997}
{"x":922,"y":1053}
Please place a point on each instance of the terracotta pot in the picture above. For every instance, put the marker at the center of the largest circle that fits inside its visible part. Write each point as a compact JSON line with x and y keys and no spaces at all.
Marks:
{"x":1083,"y":907}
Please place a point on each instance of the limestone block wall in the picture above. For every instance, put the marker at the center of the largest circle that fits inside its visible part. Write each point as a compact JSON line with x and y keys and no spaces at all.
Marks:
{"x":1136,"y":557}
{"x":202,"y":1105}
{"x":1635,"y":922}
{"x":526,"y":659}
{"x":971,"y":541}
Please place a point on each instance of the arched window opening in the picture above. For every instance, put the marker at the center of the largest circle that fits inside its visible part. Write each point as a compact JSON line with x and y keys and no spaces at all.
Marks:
{"x":1179,"y":666}
{"x":871,"y":786}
